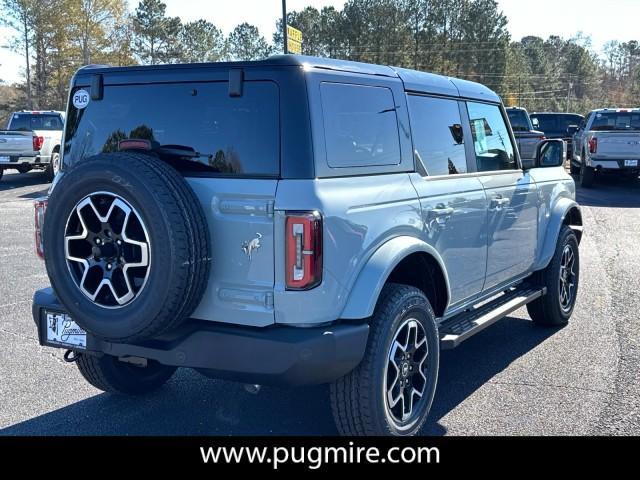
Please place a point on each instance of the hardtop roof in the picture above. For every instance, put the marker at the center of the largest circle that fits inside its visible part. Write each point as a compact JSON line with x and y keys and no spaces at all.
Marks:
{"x":413,"y":80}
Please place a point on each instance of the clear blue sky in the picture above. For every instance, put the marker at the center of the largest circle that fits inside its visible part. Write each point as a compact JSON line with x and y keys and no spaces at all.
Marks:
{"x":600,"y":19}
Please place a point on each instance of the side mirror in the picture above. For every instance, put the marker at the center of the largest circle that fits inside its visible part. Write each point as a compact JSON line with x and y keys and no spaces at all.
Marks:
{"x":572,"y":129}
{"x":550,"y":153}
{"x":535,"y":122}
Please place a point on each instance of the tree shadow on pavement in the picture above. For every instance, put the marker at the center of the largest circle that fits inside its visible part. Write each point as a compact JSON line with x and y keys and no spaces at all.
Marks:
{"x":11,"y":181}
{"x":194,"y":405}
{"x":610,"y":191}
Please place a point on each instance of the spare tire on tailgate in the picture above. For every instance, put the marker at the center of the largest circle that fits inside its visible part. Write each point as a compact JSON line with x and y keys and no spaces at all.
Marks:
{"x":126,"y":246}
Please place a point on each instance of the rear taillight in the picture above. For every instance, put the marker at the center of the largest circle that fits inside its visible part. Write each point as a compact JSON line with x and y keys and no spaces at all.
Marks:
{"x":303,"y":250}
{"x":40,"y":205}
{"x":37,"y":142}
{"x":542,"y":137}
{"x":593,"y":145}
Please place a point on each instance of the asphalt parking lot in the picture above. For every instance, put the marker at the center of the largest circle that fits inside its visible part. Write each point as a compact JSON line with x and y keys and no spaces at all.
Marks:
{"x":511,"y":379}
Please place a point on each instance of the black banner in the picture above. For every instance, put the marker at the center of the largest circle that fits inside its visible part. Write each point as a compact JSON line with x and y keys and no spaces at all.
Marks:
{"x":99,"y":455}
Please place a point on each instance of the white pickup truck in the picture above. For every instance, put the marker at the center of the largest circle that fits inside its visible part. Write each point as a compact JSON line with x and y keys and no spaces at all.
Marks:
{"x":608,"y":141}
{"x":32,"y":142}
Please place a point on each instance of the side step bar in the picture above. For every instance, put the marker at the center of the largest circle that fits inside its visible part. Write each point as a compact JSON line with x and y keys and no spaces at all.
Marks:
{"x":466,"y":324}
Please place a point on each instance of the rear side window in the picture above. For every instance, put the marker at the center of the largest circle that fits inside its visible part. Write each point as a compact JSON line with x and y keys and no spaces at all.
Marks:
{"x":491,"y":140}
{"x":360,"y":125}
{"x":437,"y":135}
{"x":30,"y":121}
{"x":218,"y":134}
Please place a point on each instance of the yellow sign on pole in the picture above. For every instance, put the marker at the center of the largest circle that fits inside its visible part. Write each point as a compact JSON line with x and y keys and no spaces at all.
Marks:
{"x":294,"y":34}
{"x":294,"y":47}
{"x":294,"y":40}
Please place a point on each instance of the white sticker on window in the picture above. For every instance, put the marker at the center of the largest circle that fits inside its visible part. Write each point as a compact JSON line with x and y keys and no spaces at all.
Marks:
{"x":81,"y":99}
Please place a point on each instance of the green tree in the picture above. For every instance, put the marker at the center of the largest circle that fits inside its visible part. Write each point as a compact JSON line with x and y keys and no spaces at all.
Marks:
{"x":92,"y":27}
{"x":201,"y":41}
{"x":246,"y":43}
{"x":156,"y":36}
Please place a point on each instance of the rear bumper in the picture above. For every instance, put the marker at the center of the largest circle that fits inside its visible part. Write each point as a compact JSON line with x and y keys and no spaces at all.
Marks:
{"x":277,"y":355}
{"x":612,"y":165}
{"x":21,"y":159}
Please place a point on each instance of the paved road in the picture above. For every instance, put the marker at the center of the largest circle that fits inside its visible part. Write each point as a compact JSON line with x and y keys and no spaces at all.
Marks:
{"x":512,"y":378}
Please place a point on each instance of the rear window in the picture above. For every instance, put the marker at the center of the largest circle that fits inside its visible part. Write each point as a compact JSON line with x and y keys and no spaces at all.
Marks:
{"x":30,"y":121}
{"x":218,"y":134}
{"x":616,"y":121}
{"x":555,"y":123}
{"x":360,"y":124}
{"x":519,"y":120}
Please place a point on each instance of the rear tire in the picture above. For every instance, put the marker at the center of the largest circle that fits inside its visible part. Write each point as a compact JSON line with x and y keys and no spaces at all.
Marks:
{"x":587,"y":176}
{"x":52,"y":168}
{"x":109,"y":374}
{"x":371,"y":399}
{"x":554,"y":308}
{"x":573,"y":168}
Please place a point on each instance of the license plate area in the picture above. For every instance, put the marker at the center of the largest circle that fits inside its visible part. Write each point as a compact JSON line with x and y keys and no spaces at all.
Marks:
{"x":631,"y":163}
{"x":60,"y":330}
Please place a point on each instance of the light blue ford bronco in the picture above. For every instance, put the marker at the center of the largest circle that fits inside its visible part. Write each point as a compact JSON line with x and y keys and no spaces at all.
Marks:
{"x":296,"y":221}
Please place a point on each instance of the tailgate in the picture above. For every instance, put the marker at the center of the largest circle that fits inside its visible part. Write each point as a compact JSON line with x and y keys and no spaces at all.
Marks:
{"x":240,"y":217}
{"x":619,"y":146}
{"x":16,"y":143}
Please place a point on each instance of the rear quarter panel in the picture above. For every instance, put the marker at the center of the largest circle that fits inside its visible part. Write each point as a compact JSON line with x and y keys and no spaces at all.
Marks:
{"x":360,"y":214}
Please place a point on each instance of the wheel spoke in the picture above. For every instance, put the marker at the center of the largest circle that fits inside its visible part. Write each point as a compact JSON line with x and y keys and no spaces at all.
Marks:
{"x":405,"y":377}
{"x":100,"y":249}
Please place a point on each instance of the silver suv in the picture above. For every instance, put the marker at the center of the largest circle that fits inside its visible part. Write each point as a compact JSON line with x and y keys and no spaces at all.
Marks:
{"x":295,"y":221}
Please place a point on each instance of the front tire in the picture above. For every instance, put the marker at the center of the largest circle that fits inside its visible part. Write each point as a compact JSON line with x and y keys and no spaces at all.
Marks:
{"x":109,"y":374}
{"x":391,"y":391}
{"x":561,"y":278}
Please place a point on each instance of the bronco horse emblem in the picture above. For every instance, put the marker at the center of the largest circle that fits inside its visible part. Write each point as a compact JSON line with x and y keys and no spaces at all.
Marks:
{"x":251,"y":246}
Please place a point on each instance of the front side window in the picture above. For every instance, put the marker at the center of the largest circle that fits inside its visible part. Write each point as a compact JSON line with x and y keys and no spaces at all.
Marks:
{"x":360,"y":125}
{"x":491,"y":140}
{"x":437,"y":135}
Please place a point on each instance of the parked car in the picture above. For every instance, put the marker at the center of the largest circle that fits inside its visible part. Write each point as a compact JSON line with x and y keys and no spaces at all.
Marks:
{"x":526,"y":136}
{"x":32,"y":142}
{"x":300,"y":221}
{"x":558,"y":125}
{"x":608,"y":141}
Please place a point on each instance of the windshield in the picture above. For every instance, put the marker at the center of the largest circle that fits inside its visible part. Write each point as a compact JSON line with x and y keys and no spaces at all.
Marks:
{"x":27,"y":122}
{"x":616,"y":121}
{"x":519,"y":120}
